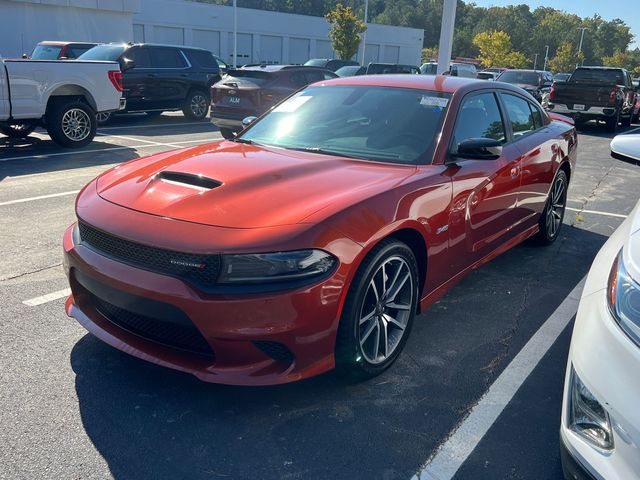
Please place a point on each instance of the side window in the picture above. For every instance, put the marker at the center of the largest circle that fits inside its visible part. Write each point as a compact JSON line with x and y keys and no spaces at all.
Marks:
{"x":167,"y":58}
{"x":140,"y":56}
{"x":479,"y":117}
{"x":538,"y":122}
{"x":519,"y":113}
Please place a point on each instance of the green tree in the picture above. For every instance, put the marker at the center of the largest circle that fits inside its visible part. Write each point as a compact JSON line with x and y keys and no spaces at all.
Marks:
{"x":428,"y":54}
{"x":566,"y":59}
{"x":629,"y":60}
{"x":345,"y":31}
{"x":496,"y":50}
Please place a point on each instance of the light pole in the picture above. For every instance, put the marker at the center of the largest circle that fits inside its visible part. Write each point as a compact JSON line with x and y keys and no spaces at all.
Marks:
{"x":446,"y":35}
{"x":535,"y":61}
{"x":364,"y":35}
{"x":582,"y":29}
{"x":546,"y":58}
{"x":235,"y":33}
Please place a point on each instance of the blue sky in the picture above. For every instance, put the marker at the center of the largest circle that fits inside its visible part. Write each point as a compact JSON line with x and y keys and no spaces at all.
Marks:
{"x":626,"y":10}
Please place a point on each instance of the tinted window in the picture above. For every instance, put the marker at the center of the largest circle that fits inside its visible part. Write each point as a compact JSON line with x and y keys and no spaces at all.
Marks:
{"x":298,"y":79}
{"x":317,"y":62}
{"x":519,"y":77}
{"x":167,"y":58}
{"x":46,"y":52}
{"x":519,"y":113}
{"x":76,"y":51}
{"x":141,"y":56}
{"x":586,"y":75}
{"x":318,"y":76}
{"x":201,"y":58}
{"x":104,"y":52}
{"x":479,"y":117}
{"x":537,"y":116}
{"x":429,"y":68}
{"x":388,"y":124}
{"x":247,"y":78}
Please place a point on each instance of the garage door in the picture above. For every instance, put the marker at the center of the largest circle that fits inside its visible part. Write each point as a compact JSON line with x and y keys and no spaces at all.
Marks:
{"x":270,"y":49}
{"x":245,"y":48}
{"x":371,"y":53}
{"x":323,"y":49}
{"x":138,"y":33}
{"x":207,"y":39}
{"x":299,"y":50}
{"x":168,"y":35}
{"x":391,"y":54}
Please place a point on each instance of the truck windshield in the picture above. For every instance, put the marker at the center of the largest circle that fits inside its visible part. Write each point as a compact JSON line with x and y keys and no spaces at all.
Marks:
{"x":395,"y":125}
{"x":608,"y":77}
{"x":103,"y":52}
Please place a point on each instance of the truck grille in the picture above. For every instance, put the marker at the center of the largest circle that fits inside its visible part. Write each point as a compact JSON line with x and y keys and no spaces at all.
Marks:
{"x":194,"y":268}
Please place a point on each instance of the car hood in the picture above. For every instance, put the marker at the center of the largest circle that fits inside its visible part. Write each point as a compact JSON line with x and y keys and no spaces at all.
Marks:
{"x":245,"y":186}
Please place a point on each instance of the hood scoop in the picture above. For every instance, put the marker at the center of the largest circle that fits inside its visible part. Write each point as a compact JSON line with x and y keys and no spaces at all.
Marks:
{"x":189,"y":180}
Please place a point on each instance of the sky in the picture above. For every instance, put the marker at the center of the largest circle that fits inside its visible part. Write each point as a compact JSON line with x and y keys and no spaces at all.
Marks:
{"x":626,"y":10}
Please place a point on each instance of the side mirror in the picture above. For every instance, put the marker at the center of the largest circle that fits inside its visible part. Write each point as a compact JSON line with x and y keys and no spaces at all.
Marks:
{"x":127,"y":64}
{"x":626,"y":148}
{"x":246,"y":121}
{"x":479,"y":149}
{"x":25,"y":56}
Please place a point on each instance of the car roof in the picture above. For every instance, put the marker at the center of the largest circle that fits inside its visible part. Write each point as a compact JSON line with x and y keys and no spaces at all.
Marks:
{"x":60,"y":43}
{"x":437,"y":83}
{"x":277,"y":68}
{"x":164,"y":45}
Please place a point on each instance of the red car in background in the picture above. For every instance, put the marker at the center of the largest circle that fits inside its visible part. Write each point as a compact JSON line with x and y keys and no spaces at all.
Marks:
{"x":54,"y":50}
{"x":252,"y":90}
{"x":313,"y":239}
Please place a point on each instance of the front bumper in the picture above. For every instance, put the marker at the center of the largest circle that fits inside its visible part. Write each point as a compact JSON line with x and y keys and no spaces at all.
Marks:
{"x":302,"y":322}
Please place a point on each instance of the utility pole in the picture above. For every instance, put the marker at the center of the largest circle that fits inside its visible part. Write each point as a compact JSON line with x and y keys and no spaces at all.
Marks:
{"x":546,"y":58}
{"x":235,"y":33}
{"x":364,"y":35}
{"x":446,"y":35}
{"x":582,"y":29}
{"x":535,"y":61}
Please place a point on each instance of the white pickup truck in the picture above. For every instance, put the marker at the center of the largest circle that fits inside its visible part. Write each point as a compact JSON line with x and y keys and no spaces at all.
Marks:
{"x":62,"y":96}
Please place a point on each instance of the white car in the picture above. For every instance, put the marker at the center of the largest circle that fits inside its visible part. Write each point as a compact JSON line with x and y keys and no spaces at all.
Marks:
{"x":600,"y":429}
{"x":62,"y":96}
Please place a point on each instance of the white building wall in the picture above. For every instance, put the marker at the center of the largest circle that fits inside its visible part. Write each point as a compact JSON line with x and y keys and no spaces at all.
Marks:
{"x":23,"y":23}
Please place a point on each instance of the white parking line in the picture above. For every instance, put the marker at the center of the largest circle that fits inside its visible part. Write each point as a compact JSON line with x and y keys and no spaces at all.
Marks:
{"x":50,"y":297}
{"x":466,"y":436}
{"x":131,"y":139}
{"x":41,"y":197}
{"x":597,"y":212}
{"x":155,"y":125}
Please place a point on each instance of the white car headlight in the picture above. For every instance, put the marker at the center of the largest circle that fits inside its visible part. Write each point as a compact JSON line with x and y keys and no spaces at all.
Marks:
{"x":623,"y":295}
{"x":587,"y":417}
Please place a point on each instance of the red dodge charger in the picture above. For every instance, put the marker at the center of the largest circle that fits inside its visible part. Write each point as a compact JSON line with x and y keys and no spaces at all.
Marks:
{"x":312,"y":239}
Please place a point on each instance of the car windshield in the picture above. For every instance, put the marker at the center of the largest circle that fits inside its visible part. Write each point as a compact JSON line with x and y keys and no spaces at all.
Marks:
{"x":521,"y":78}
{"x":429,"y":68}
{"x":46,"y":52}
{"x":388,"y":124}
{"x":103,"y":52}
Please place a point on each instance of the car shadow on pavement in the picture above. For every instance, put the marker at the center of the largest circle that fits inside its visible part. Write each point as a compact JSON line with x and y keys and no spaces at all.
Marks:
{"x":148,"y":422}
{"x":600,"y":130}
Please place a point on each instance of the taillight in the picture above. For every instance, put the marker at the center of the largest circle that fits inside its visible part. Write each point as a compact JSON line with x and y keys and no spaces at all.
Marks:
{"x":116,"y":79}
{"x":613,"y":95}
{"x":552,"y":92}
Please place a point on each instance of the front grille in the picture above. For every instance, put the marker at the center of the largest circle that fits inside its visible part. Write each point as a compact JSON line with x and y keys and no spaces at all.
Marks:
{"x":175,"y":335}
{"x":275,"y":350}
{"x":194,"y":268}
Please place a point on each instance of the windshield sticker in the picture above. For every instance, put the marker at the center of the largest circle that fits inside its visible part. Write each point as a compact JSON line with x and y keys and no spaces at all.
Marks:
{"x":429,"y":101}
{"x":292,"y":104}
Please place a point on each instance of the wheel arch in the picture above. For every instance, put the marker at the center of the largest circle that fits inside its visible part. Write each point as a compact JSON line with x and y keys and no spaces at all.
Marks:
{"x":72,"y":90}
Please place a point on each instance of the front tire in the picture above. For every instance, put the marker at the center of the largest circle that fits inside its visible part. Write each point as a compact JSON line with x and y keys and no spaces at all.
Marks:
{"x":612,"y":123}
{"x":196,"y":105}
{"x":550,"y":221}
{"x":379,"y":311}
{"x":18,"y":130}
{"x":71,"y":123}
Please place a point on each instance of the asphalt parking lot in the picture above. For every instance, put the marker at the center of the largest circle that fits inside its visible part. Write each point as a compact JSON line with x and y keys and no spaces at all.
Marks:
{"x":72,"y":407}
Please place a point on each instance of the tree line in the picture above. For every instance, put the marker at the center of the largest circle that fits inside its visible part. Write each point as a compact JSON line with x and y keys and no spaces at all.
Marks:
{"x":529,"y":31}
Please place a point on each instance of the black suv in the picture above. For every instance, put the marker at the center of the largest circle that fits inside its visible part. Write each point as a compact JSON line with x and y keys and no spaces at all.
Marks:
{"x":157,"y":78}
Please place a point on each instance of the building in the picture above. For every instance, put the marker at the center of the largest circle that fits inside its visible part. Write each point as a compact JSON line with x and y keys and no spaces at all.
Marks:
{"x":263,"y":36}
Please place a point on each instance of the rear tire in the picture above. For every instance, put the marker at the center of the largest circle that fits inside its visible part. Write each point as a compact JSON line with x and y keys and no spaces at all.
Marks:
{"x":550,"y":222}
{"x":612,"y":123}
{"x":379,"y":311}
{"x":196,"y":105}
{"x":18,"y":130}
{"x":71,"y":123}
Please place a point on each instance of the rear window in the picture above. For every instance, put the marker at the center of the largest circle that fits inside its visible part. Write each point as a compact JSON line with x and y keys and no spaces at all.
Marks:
{"x":46,"y":52}
{"x":608,"y":77}
{"x":523,"y":78}
{"x":316,"y":62}
{"x":247,"y":78}
{"x":76,"y":51}
{"x":201,"y":58}
{"x":104,"y":52}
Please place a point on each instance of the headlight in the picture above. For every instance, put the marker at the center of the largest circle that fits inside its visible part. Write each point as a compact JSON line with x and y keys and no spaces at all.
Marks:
{"x":623,"y":295}
{"x":275,"y":267}
{"x":587,"y":417}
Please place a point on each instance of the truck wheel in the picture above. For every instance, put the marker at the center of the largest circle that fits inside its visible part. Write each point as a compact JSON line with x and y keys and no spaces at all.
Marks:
{"x":196,"y":105}
{"x":626,"y":121}
{"x":18,"y":130}
{"x":71,"y":123}
{"x":612,"y":123}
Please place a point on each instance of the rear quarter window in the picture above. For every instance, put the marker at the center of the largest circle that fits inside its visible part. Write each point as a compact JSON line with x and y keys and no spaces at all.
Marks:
{"x":201,"y":58}
{"x":167,"y":58}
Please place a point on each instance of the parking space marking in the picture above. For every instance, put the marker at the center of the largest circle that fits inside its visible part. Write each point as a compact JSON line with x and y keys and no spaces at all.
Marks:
{"x":155,"y":125}
{"x":466,"y":436}
{"x":50,"y":297}
{"x":131,"y":139}
{"x":597,"y":212}
{"x":41,"y":197}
